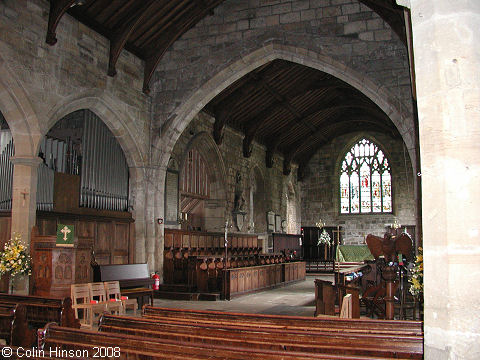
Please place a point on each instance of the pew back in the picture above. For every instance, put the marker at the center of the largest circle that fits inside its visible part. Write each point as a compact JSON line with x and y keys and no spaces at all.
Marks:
{"x":42,"y":310}
{"x":301,"y":323}
{"x":324,"y":341}
{"x":86,"y":343}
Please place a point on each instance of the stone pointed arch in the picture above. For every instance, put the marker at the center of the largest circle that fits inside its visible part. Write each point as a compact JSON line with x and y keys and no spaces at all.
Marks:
{"x":108,"y":110}
{"x":19,"y":114}
{"x":143,"y":196}
{"x":208,"y":149}
{"x":400,"y":115}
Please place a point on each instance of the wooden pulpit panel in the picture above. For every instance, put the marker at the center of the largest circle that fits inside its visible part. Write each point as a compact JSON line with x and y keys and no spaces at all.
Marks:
{"x":41,"y":271}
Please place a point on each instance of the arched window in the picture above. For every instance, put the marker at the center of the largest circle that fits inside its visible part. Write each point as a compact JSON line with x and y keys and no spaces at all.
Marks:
{"x":365,"y":180}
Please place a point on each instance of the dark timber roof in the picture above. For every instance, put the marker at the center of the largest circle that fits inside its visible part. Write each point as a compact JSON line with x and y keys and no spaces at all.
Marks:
{"x":290,"y":108}
{"x":147,"y":28}
{"x":294,"y":110}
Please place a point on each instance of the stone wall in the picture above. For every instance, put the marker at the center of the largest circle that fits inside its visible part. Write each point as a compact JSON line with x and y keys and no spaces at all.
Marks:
{"x":232,"y":161}
{"x":40,"y":84}
{"x":320,"y":189}
{"x":342,"y":37}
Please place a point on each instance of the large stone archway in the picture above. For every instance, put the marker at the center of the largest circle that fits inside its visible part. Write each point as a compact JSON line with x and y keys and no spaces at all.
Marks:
{"x":24,"y":126}
{"x":109,"y":111}
{"x":18,"y":112}
{"x":142,"y":197}
{"x":216,"y":205}
{"x":380,"y":95}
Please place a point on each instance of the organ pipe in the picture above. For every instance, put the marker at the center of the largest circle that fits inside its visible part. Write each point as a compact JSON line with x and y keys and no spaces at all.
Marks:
{"x":104,"y":182}
{"x":7,"y":150}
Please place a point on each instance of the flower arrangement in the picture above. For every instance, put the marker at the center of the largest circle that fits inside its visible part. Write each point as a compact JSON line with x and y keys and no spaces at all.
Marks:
{"x":14,"y":259}
{"x":324,"y":238}
{"x":416,"y":278}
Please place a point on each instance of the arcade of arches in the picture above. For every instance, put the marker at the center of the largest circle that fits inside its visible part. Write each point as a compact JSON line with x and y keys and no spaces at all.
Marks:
{"x":226,"y":133}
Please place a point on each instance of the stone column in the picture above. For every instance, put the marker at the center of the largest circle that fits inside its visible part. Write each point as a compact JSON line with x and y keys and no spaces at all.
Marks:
{"x":24,"y":195}
{"x":24,"y":204}
{"x":446,"y":37}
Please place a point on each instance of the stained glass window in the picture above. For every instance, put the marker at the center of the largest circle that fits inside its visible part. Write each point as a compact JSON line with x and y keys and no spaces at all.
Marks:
{"x":365,"y":180}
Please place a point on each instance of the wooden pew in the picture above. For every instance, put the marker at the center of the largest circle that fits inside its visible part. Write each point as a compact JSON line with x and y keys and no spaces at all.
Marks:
{"x":86,"y":344}
{"x":404,"y":327}
{"x":318,"y":342}
{"x":13,"y":325}
{"x":42,"y":310}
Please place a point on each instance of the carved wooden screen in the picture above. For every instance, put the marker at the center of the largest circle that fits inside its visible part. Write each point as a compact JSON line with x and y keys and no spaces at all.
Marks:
{"x":194,"y":176}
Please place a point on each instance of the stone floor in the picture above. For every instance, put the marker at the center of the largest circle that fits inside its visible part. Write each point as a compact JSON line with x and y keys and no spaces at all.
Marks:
{"x":295,"y":299}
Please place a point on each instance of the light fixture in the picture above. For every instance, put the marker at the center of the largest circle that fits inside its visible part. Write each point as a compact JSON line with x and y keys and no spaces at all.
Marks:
{"x":320,"y":224}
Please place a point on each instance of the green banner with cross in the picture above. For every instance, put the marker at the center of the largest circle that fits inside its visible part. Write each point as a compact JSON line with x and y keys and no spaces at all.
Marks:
{"x":65,"y":235}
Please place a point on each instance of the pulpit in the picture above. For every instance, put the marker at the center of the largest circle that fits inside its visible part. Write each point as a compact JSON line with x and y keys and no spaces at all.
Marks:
{"x":55,"y":268}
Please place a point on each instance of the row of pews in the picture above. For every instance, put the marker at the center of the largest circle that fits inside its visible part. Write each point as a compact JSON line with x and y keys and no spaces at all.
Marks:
{"x":163,"y":333}
{"x":22,"y":315}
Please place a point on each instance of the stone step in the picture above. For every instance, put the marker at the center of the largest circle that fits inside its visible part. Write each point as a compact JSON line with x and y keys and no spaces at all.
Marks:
{"x":189,"y":296}
{"x":176,"y":288}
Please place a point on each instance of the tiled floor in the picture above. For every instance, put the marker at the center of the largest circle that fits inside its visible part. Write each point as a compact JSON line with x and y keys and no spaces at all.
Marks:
{"x":295,"y":299}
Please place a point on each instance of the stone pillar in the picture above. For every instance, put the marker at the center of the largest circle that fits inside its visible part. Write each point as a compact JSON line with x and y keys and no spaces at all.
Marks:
{"x":446,"y":37}
{"x":24,"y":204}
{"x":24,"y":195}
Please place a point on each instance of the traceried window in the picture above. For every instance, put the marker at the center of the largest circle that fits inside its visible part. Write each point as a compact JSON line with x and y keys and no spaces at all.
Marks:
{"x":365,"y":180}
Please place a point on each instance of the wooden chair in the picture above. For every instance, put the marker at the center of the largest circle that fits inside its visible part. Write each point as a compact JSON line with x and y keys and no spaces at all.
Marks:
{"x":80,"y":294}
{"x":112,"y":288}
{"x":98,"y":295}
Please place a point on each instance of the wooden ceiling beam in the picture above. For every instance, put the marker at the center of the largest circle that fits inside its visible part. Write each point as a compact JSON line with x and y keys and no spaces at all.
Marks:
{"x":255,"y":123}
{"x":391,"y":13}
{"x":58,"y":8}
{"x":175,"y":31}
{"x":121,"y":15}
{"x":120,"y":37}
{"x":371,"y":124}
{"x":221,"y":119}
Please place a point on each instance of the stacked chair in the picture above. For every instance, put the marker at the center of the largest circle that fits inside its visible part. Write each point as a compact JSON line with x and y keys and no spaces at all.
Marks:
{"x":91,"y":300}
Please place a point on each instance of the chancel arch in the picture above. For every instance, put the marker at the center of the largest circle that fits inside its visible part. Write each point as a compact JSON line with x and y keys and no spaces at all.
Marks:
{"x":381,"y":96}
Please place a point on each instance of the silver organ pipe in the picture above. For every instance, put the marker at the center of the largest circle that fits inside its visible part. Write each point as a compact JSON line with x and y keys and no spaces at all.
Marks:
{"x":7,"y":150}
{"x":45,"y":182}
{"x":104,"y":181}
{"x":57,"y":157}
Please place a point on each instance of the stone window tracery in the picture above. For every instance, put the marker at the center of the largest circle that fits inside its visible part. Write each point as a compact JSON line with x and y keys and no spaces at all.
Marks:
{"x":365,"y":180}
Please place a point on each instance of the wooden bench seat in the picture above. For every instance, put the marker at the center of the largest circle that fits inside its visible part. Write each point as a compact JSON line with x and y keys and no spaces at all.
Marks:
{"x":13,"y":325}
{"x":136,"y":347}
{"x":319,"y":342}
{"x":42,"y":310}
{"x":307,"y":324}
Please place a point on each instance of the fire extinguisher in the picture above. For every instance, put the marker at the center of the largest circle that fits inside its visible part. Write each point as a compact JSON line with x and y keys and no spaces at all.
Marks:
{"x":156,"y":284}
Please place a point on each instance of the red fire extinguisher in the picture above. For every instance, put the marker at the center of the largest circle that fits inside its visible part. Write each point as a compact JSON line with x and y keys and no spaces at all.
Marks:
{"x":156,"y":284}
